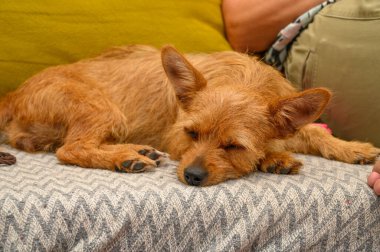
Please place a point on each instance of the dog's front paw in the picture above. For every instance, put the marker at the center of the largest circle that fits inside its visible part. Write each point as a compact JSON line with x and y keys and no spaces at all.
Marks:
{"x":145,"y":158}
{"x":280,"y":163}
{"x":355,"y":153}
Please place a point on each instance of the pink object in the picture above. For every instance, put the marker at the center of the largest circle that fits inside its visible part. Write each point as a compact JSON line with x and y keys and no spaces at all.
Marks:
{"x":372,"y":178}
{"x":374,"y":182}
{"x":323,"y":125}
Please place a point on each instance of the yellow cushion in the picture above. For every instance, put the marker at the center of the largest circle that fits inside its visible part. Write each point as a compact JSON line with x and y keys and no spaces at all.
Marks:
{"x":39,"y":33}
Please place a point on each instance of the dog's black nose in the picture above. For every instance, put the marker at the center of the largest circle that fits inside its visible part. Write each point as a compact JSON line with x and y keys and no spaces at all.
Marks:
{"x":195,"y":175}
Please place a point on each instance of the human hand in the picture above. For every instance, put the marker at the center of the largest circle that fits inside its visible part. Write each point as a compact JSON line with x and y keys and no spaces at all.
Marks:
{"x":374,"y":178}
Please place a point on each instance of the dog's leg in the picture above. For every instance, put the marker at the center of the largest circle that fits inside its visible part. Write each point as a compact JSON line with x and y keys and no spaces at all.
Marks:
{"x":313,"y":139}
{"x":79,"y":122}
{"x":98,"y":141}
{"x":118,"y":157}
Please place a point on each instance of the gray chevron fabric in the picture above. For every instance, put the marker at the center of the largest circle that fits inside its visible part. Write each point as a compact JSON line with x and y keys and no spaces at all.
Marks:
{"x":45,"y":206}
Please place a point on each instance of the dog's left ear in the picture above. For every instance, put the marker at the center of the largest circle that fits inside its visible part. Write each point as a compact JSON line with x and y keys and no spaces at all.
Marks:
{"x":185,"y":79}
{"x":291,"y":113}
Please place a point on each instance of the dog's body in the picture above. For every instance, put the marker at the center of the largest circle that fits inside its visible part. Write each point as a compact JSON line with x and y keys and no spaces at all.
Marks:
{"x":225,"y":117}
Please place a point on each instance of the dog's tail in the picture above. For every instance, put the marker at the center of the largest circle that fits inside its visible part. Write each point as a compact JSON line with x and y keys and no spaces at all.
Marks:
{"x":5,"y":118}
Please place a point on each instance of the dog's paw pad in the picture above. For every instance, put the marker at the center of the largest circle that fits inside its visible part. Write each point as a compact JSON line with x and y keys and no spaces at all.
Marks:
{"x":143,"y":152}
{"x":138,"y":166}
{"x":133,"y":166}
{"x":284,"y":170}
{"x":154,"y":154}
{"x":126,"y":164}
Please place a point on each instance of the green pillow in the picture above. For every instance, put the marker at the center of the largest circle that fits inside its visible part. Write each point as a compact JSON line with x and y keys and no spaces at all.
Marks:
{"x":40,"y":33}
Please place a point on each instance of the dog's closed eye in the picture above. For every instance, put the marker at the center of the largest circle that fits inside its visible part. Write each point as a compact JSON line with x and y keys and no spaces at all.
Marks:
{"x":192,"y":133}
{"x":230,"y":147}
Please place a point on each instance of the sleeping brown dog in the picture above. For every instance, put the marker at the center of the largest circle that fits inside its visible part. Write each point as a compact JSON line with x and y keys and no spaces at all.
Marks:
{"x":223,"y":115}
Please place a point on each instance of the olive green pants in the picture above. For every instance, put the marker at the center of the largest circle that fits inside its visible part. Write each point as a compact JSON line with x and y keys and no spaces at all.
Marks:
{"x":340,"y":50}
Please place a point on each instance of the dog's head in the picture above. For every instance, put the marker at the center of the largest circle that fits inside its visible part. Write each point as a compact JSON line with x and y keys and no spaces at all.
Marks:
{"x":222,"y":131}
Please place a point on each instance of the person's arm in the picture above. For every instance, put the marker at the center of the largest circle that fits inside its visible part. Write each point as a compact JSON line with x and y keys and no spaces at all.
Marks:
{"x":252,"y":25}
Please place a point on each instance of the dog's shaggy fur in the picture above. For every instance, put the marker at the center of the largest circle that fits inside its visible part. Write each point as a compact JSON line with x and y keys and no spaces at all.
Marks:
{"x":223,"y":115}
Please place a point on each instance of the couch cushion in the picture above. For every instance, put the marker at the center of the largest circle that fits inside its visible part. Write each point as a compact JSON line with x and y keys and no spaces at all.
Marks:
{"x":40,"y":33}
{"x":46,"y":206}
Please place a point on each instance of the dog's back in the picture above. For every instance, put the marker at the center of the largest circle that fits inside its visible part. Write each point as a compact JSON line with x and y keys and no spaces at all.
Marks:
{"x":133,"y":80}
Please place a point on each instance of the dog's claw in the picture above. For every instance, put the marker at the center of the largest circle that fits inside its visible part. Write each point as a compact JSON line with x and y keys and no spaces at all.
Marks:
{"x":117,"y":169}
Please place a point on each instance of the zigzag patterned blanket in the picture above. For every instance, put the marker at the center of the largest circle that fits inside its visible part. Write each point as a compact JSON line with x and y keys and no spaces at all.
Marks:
{"x":46,"y":206}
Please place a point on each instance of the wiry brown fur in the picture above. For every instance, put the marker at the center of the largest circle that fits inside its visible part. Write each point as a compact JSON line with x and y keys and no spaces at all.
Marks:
{"x":226,"y":113}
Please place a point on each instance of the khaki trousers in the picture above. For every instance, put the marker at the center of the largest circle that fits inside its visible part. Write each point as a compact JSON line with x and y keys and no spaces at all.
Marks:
{"x":340,"y":50}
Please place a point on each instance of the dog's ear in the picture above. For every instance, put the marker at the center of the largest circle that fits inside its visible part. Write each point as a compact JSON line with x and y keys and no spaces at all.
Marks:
{"x":185,"y":79}
{"x":291,"y":113}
